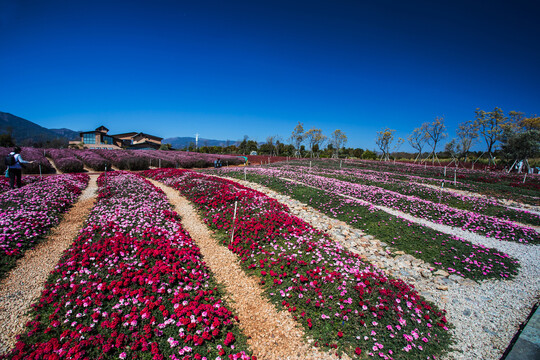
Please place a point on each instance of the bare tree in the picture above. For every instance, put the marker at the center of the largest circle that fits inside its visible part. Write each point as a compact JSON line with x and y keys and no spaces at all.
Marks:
{"x":417,"y":139}
{"x":383,"y":141}
{"x":297,"y":137}
{"x":491,"y":126}
{"x":337,"y":139}
{"x":315,"y":139}
{"x":435,"y":132}
{"x":466,"y":138}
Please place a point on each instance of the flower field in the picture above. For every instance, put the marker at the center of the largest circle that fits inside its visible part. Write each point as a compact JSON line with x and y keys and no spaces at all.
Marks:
{"x":30,"y":154}
{"x":74,"y":160}
{"x":342,"y":302}
{"x":133,"y":286}
{"x":446,"y":252}
{"x":409,"y":186}
{"x":27,"y":214}
{"x":25,"y":180}
{"x":65,"y":160}
{"x":494,"y":183}
{"x":437,"y":212}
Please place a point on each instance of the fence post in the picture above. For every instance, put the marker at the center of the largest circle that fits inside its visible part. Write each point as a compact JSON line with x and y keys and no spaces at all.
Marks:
{"x":310,"y":164}
{"x":455,"y":176}
{"x":159,"y":162}
{"x":244,"y":174}
{"x":40,"y":170}
{"x":525,"y":177}
{"x":445,"y":171}
{"x":234,"y":219}
{"x":340,"y":161}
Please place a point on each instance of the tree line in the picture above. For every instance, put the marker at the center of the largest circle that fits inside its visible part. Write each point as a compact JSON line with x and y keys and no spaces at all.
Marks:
{"x":512,"y":138}
{"x":301,"y":143}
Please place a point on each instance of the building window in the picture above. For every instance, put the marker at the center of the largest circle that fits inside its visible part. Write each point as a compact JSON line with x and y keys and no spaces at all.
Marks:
{"x":107,"y":140}
{"x":89,"y":138}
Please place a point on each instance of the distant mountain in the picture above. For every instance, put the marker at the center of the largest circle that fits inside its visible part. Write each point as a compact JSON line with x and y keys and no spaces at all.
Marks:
{"x":27,"y":133}
{"x":67,"y":133}
{"x":23,"y":130}
{"x":183,"y":142}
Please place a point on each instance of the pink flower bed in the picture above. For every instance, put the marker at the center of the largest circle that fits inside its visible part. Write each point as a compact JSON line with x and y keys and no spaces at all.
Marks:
{"x":439,"y":213}
{"x":27,"y":214}
{"x":30,"y":154}
{"x":341,"y":301}
{"x":25,"y":180}
{"x":132,"y":286}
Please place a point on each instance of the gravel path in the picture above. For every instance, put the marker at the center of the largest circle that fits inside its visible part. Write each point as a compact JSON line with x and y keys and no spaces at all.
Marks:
{"x":486,"y":315}
{"x":24,"y":284}
{"x":272,"y":334}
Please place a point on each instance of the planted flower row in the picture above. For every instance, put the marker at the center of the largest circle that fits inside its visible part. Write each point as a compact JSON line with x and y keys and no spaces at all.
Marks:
{"x":342,"y":302}
{"x":446,"y":252}
{"x":65,"y":160}
{"x":464,"y":202}
{"x":493,"y":183}
{"x":40,"y":165}
{"x":132,"y":286}
{"x":27,"y":214}
{"x":25,"y":180}
{"x":438,"y":213}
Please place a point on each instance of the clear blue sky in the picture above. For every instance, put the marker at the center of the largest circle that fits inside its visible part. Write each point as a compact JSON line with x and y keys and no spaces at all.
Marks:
{"x":225,"y":69}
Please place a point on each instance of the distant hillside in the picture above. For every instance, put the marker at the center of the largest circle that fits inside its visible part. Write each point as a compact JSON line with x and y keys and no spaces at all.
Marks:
{"x":27,"y":133}
{"x":67,"y":133}
{"x":183,"y":142}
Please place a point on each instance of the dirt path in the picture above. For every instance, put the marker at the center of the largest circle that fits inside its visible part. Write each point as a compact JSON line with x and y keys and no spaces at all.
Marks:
{"x":273,"y":334}
{"x":24,"y":284}
{"x":54,"y":165}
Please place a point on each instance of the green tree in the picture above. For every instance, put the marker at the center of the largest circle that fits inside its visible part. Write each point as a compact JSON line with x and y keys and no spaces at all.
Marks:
{"x":315,"y":139}
{"x":337,"y":139}
{"x":490,"y":125}
{"x":383,"y":141}
{"x":297,"y":137}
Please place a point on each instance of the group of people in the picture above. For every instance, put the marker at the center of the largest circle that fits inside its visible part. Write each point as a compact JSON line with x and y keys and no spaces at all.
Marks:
{"x":14,"y":169}
{"x":217,"y":163}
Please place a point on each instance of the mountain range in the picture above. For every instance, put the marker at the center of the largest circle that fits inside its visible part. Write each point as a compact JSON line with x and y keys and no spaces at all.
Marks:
{"x":28,"y":133}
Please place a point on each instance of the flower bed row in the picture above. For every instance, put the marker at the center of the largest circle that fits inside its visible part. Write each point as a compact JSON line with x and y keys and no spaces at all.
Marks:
{"x":25,"y":180}
{"x":65,"y":160}
{"x":494,"y":183}
{"x":342,"y":302}
{"x":27,"y":214}
{"x":464,"y":202}
{"x":143,"y":159}
{"x":30,"y":154}
{"x":132,"y":286}
{"x":438,"y":213}
{"x":93,"y":160}
{"x":446,"y":252}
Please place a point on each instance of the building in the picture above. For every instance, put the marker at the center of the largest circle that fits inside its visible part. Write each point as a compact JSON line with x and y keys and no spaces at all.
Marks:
{"x":100,"y":139}
{"x":135,"y":140}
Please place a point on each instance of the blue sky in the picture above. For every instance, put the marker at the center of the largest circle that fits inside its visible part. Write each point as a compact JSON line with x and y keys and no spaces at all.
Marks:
{"x":225,"y":69}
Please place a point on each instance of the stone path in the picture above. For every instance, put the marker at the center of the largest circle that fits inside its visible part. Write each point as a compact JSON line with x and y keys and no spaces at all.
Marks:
{"x":23,"y":285}
{"x":272,"y":334}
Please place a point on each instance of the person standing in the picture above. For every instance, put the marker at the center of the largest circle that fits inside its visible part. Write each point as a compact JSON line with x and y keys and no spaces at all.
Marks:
{"x":15,"y":170}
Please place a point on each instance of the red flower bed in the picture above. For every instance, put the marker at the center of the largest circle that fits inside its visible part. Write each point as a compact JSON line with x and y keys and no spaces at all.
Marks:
{"x":132,"y":285}
{"x":342,"y":302}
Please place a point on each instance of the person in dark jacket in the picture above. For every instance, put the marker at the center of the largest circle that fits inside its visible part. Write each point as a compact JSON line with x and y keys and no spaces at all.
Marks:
{"x":15,"y":171}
